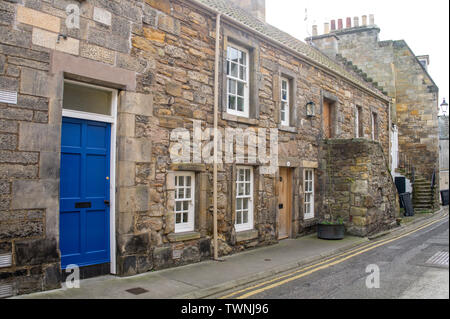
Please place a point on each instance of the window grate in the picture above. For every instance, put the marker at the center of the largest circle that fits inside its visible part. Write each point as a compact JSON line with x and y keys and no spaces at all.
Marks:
{"x":6,"y":291}
{"x":5,"y":260}
{"x":8,"y":97}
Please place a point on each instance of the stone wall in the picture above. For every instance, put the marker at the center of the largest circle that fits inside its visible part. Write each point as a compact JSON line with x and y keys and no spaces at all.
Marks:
{"x":160,"y":56}
{"x":358,"y":186}
{"x":394,"y":67}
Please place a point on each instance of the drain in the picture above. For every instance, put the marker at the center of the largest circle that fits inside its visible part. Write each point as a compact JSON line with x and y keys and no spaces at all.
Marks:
{"x":440,"y":258}
{"x":137,"y":291}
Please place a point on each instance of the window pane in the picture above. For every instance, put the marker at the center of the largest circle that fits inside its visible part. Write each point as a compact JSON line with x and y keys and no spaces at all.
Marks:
{"x":238,"y":218}
{"x":240,"y":189}
{"x":185,"y":217}
{"x":239,"y":204}
{"x":86,"y":99}
{"x":245,"y":217}
{"x":178,"y":206}
{"x":181,"y":181}
{"x":247,"y":189}
{"x":247,"y":175}
{"x":240,"y":89}
{"x":243,"y":73}
{"x":185,"y":205}
{"x":178,"y":218}
{"x":245,"y":202}
{"x":283,"y":116}
{"x":232,"y":86}
{"x":181,"y":193}
{"x":232,"y":54}
{"x":241,"y":175}
{"x":234,"y":70}
{"x":232,"y":102}
{"x":188,"y":192}
{"x":243,"y":59}
{"x":240,"y":104}
{"x":188,"y":181}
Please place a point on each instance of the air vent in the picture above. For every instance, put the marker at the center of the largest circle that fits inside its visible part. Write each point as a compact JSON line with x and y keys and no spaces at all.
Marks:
{"x":6,"y":291}
{"x":5,"y":260}
{"x":8,"y":97}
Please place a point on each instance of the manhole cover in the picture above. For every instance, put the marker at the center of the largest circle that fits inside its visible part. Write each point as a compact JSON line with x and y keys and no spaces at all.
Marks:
{"x":137,"y":291}
{"x":440,"y":258}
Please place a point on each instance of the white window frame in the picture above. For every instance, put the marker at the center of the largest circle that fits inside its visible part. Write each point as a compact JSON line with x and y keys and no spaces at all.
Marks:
{"x":308,"y":190}
{"x":249,"y":225}
{"x":357,"y":119}
{"x":286,"y":101}
{"x":246,"y":111}
{"x":374,"y":128}
{"x":188,"y":226}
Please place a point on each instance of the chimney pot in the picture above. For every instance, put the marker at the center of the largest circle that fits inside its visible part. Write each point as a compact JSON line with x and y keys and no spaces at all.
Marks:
{"x":314,"y":31}
{"x":333,"y":25}
{"x":372,"y":19}
{"x":326,"y":28}
{"x":340,"y":24}
{"x":348,"y":23}
{"x":364,"y":21}
{"x":356,"y":22}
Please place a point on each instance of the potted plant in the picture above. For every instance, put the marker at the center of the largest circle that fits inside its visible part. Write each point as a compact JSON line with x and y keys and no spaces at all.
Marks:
{"x":331,"y":230}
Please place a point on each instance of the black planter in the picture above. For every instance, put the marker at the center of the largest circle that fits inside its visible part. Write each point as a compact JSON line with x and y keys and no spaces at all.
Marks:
{"x":331,"y":232}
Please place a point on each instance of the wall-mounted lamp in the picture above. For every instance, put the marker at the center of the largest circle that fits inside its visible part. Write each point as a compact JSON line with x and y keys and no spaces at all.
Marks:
{"x":444,"y":107}
{"x":310,"y":109}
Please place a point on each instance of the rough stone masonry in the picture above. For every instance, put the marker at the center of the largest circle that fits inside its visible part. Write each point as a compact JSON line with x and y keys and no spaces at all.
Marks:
{"x":159,"y":55}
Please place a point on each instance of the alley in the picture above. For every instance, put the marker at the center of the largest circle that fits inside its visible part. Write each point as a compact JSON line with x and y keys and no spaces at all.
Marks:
{"x":409,"y":268}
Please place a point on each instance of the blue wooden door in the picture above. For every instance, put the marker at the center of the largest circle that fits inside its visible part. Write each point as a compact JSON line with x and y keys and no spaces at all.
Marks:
{"x":84,"y":192}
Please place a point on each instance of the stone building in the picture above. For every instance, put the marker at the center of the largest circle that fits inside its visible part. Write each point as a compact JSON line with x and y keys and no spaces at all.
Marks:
{"x":94,"y":95}
{"x":443,"y":152}
{"x":392,"y":66}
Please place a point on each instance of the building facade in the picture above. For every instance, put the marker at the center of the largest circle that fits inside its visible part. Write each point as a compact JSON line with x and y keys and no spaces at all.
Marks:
{"x":392,"y":66}
{"x":443,"y":152}
{"x":96,"y":97}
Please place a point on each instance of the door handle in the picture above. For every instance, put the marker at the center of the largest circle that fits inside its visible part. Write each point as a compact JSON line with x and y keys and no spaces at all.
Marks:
{"x":107,"y":203}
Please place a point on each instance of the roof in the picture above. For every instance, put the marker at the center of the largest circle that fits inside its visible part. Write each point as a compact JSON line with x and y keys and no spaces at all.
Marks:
{"x":284,"y":39}
{"x":443,"y":127}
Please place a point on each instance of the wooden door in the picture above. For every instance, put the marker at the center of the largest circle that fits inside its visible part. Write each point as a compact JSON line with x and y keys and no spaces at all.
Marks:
{"x":284,"y":203}
{"x":326,"y":119}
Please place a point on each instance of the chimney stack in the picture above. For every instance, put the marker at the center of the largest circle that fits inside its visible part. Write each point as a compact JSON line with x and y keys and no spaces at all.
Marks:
{"x":356,"y":22}
{"x":326,"y":28}
{"x":255,"y":7}
{"x":314,"y":31}
{"x":372,"y":19}
{"x":340,"y":24}
{"x":333,"y":25}
{"x":348,"y":23}
{"x":364,"y":21}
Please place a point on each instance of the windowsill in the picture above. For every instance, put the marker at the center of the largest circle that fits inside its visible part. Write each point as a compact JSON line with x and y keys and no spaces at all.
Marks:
{"x":289,"y":129}
{"x":246,"y":235}
{"x":178,"y":237}
{"x":240,"y":119}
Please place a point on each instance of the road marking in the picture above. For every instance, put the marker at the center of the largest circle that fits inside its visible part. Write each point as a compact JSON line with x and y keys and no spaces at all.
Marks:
{"x":440,"y":258}
{"x":325,"y":264}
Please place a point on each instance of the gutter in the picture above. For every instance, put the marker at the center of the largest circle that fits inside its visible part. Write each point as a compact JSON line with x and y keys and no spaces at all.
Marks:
{"x":216,"y":120}
{"x":290,"y":50}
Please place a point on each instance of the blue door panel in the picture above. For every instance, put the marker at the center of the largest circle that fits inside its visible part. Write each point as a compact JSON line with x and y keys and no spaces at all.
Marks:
{"x":84,"y":191}
{"x":70,"y":242}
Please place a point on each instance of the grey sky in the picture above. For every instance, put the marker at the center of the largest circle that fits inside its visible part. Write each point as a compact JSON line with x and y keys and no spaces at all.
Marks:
{"x":424,"y":25}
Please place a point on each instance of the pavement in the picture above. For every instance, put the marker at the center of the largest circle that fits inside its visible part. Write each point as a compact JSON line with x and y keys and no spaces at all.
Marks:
{"x":210,"y":278}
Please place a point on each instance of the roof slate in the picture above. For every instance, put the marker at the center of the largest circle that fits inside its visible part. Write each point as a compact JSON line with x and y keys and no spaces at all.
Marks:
{"x":285,"y":39}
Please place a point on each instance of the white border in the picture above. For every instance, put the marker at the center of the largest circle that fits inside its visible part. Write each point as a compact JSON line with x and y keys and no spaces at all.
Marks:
{"x":113,"y":153}
{"x":190,"y":225}
{"x":246,"y":112}
{"x":312,"y":214}
{"x":287,"y":113}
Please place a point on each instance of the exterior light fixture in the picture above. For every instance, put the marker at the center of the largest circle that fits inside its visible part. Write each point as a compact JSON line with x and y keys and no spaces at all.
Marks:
{"x":444,"y":107}
{"x":310,"y":109}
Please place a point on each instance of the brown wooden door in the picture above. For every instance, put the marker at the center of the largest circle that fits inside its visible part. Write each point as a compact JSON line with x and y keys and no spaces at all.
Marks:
{"x":284,"y":203}
{"x":326,"y":119}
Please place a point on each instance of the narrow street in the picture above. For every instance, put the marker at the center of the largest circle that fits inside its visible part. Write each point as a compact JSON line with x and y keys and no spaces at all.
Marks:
{"x":414,"y":266}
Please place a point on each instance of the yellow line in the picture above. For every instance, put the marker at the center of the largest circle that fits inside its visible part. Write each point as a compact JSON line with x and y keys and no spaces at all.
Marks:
{"x":360,"y":250}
